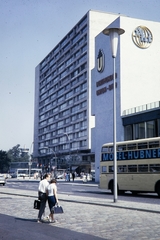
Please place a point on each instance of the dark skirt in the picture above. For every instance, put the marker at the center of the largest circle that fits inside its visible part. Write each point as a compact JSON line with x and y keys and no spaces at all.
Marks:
{"x":51,"y":202}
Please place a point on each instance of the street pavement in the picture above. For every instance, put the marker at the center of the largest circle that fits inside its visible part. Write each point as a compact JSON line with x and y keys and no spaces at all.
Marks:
{"x":83,"y":218}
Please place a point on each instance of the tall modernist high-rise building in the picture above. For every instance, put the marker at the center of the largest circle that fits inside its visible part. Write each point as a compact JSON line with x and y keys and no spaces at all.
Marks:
{"x":74,"y":91}
{"x":63,"y":121}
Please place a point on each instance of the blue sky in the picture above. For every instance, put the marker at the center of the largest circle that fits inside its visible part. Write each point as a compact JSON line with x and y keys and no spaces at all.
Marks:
{"x":29,"y":30}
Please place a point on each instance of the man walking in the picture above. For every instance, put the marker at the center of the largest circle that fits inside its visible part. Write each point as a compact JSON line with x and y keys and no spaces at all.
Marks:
{"x":73,"y":176}
{"x":42,"y":195}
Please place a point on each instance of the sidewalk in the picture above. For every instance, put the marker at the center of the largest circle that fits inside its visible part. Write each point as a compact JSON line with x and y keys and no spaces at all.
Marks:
{"x":84,"y":218}
{"x":87,"y":200}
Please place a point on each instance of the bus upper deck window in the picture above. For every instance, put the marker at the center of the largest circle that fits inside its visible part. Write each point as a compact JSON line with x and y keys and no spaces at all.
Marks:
{"x":142,"y":145}
{"x":121,"y":148}
{"x":110,"y":149}
{"x":131,"y":146}
{"x":154,"y":144}
{"x":104,"y":149}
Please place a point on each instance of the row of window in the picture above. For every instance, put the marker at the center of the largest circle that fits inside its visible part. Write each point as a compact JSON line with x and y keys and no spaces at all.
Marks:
{"x":124,"y":147}
{"x":51,"y":94}
{"x":66,"y":146}
{"x":79,"y":28}
{"x":79,"y":125}
{"x":142,"y":130}
{"x":57,"y":104}
{"x":141,"y":168}
{"x":55,"y":114}
{"x":52,"y":80}
{"x":57,"y":64}
{"x":62,"y":139}
{"x":73,"y":118}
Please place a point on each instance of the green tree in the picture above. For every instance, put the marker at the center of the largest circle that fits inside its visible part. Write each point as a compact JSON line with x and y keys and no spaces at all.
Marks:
{"x":4,"y":162}
{"x":17,"y":154}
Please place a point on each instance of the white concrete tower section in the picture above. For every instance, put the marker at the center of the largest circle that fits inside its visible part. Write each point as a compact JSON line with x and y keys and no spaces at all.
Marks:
{"x":97,"y":22}
{"x":138,"y":78}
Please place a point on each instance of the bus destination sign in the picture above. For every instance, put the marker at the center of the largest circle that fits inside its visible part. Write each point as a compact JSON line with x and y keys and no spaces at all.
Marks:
{"x":132,"y":155}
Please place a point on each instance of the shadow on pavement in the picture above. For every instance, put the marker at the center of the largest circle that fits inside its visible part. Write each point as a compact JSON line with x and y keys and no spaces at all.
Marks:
{"x":24,"y":229}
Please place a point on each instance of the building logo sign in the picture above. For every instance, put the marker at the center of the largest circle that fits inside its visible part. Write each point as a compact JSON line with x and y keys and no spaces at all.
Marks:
{"x":142,"y":37}
{"x":104,"y":81}
{"x":100,"y":61}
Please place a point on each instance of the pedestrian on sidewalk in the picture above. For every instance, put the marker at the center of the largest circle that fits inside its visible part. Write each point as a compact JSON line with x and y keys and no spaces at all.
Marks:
{"x":73,"y":176}
{"x":42,"y":195}
{"x":52,"y":198}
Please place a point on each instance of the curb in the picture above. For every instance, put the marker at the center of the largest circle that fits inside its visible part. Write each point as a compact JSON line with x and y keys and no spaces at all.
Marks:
{"x":90,"y":203}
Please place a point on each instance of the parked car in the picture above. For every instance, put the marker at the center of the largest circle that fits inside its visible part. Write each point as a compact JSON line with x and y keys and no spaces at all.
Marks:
{"x":14,"y":175}
{"x":7,"y":175}
{"x":60,"y":176}
{"x":93,"y":175}
{"x":2,"y":179}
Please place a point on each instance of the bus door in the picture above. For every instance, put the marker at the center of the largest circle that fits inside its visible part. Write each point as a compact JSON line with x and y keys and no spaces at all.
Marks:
{"x":145,"y":180}
{"x":105,"y":177}
{"x":124,"y":178}
{"x":132,"y":177}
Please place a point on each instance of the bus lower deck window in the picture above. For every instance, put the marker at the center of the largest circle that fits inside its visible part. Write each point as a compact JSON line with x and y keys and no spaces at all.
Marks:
{"x":132,"y":168}
{"x":104,"y":169}
{"x":154,"y":167}
{"x":122,"y":168}
{"x":143,"y":168}
{"x":111,"y":169}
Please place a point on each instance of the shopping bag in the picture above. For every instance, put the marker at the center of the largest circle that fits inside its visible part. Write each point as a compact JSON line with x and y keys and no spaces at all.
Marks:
{"x":37,"y":204}
{"x":57,"y":209}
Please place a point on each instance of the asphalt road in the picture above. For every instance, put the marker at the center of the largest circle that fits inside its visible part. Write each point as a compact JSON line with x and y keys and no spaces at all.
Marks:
{"x":88,"y":190}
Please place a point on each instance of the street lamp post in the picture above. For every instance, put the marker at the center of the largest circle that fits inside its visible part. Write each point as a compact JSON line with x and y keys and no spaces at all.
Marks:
{"x":24,"y":150}
{"x":54,"y":157}
{"x":114,"y":33}
{"x":30,"y":160}
{"x":69,"y":150}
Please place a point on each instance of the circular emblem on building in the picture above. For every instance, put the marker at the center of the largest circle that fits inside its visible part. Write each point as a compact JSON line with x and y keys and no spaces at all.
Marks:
{"x":142,"y":37}
{"x":100,"y":61}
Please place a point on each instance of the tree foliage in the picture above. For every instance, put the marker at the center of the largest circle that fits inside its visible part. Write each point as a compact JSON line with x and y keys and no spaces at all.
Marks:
{"x":17,"y":154}
{"x":4,"y":162}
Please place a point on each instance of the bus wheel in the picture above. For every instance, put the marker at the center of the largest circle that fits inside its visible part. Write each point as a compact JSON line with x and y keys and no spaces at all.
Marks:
{"x":112,"y":187}
{"x":158,"y":189}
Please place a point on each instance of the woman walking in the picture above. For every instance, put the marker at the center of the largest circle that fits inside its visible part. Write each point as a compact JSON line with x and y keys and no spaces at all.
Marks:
{"x":52,"y":198}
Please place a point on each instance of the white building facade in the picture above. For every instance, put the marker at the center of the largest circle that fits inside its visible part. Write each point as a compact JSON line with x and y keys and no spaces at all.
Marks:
{"x":74,"y":91}
{"x":137,"y":84}
{"x":63,"y":119}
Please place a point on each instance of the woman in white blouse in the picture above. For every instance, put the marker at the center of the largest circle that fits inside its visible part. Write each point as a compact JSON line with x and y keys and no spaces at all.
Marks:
{"x":52,"y":198}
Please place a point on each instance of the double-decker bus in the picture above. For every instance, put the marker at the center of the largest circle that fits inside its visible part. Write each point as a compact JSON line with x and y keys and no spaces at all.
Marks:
{"x":138,"y":166}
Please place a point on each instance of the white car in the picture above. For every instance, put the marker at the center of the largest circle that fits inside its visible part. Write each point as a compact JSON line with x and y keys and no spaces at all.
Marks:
{"x":60,"y":176}
{"x":2,"y":179}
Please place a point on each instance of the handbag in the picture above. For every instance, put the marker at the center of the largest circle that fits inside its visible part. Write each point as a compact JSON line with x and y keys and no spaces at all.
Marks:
{"x":37,"y":204}
{"x":57,"y":209}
